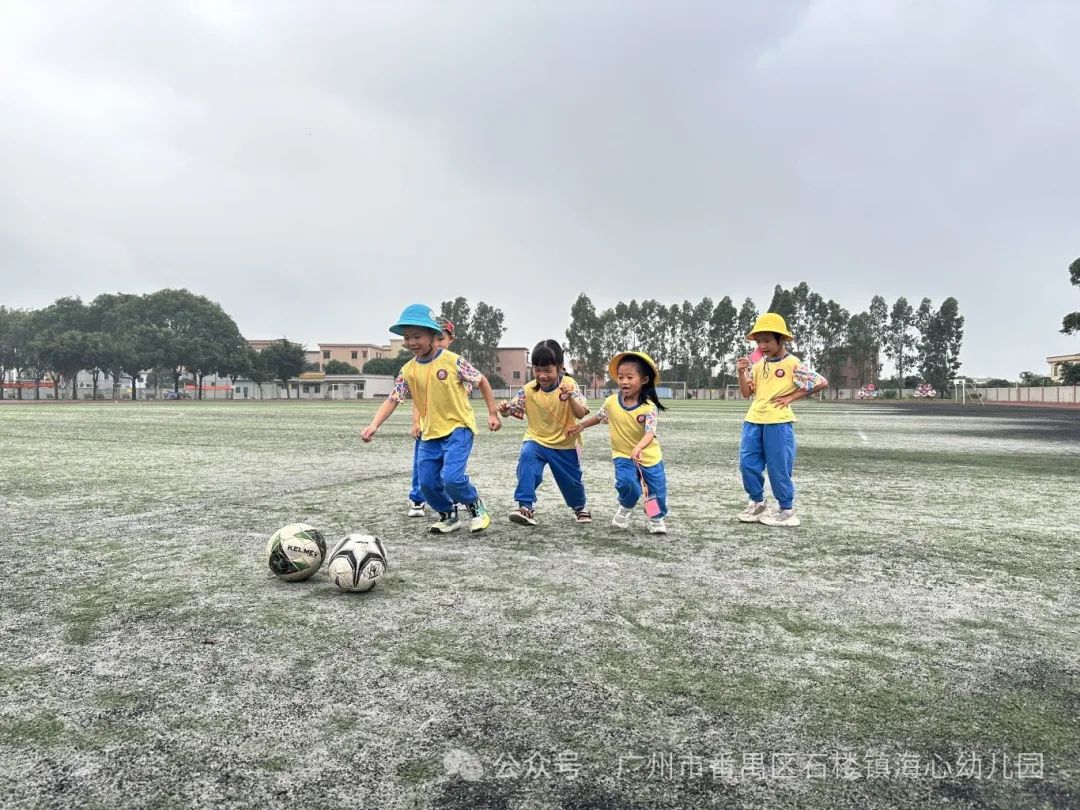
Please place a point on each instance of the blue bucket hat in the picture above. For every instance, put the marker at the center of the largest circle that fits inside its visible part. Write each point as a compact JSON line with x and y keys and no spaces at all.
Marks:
{"x":416,"y":315}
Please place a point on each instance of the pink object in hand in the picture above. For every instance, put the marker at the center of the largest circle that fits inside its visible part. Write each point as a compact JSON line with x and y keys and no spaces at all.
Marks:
{"x":652,"y":507}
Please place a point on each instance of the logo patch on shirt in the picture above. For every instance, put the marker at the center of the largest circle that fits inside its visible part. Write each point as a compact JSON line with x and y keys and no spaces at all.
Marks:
{"x":780,"y":372}
{"x":641,"y":419}
{"x":441,"y":373}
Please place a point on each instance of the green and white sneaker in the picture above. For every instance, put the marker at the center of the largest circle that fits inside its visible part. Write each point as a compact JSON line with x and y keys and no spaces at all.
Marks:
{"x":479,"y":519}
{"x":753,"y":513}
{"x":781,"y":517}
{"x":621,"y":518}
{"x":448,"y":522}
{"x":657,"y":526}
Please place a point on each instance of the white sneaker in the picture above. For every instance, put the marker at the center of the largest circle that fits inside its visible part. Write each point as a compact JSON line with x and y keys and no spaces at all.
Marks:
{"x":753,"y":512}
{"x":781,"y":517}
{"x":656,"y":526}
{"x":622,"y":517}
{"x":416,"y":508}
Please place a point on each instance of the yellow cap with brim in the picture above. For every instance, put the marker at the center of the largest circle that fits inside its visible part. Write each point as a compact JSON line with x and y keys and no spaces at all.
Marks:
{"x":613,"y":366}
{"x":770,"y":322}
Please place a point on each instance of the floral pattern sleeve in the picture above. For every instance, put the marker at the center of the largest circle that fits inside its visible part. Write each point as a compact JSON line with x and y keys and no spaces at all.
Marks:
{"x":806,"y":378}
{"x":650,"y":421}
{"x":468,"y":375}
{"x":577,"y":396}
{"x":602,"y":414}
{"x":517,"y":405}
{"x":401,"y":390}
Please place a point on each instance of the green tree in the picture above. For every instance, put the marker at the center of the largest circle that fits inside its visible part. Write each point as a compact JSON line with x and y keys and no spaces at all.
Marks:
{"x":390,"y":365}
{"x":861,"y":345}
{"x":723,"y":337}
{"x":940,"y":345}
{"x":899,"y":342}
{"x":584,"y":340}
{"x":748,"y":314}
{"x":1070,"y":375}
{"x":783,"y":303}
{"x":486,"y":329}
{"x":15,"y":353}
{"x":879,"y":327}
{"x":284,"y":360}
{"x":258,"y":369}
{"x":340,"y":367}
{"x":1032,"y":379}
{"x":1071,"y":323}
{"x":62,"y":342}
{"x":460,"y":313}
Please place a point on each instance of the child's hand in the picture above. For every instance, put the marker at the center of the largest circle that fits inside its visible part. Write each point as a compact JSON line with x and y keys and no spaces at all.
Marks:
{"x":504,"y":407}
{"x":368,"y":433}
{"x":784,"y":401}
{"x":573,"y":431}
{"x":742,"y":363}
{"x":494,"y":422}
{"x":416,"y":431}
{"x":636,"y":455}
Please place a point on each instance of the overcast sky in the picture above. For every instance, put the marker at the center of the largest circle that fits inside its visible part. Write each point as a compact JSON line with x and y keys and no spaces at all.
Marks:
{"x":314,"y":167}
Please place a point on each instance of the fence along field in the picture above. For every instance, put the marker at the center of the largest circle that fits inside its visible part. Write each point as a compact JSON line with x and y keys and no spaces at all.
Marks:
{"x":922,"y":619}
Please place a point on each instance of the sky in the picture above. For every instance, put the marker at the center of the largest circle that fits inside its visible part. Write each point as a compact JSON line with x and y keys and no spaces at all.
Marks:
{"x":314,"y":167}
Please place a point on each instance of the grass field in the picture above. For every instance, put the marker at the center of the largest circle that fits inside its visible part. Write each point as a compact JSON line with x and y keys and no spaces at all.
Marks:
{"x":925,"y":618}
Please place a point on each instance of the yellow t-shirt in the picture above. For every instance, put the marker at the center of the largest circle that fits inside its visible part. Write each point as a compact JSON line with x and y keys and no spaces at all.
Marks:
{"x":627,"y":428}
{"x":549,"y":415}
{"x":773,"y":378}
{"x":440,"y":395}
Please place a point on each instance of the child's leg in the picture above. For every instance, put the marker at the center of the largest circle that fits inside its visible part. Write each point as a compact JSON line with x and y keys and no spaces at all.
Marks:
{"x":780,"y":458}
{"x":430,"y":468}
{"x":626,"y":482}
{"x":530,"y":472}
{"x":752,"y":461}
{"x":656,"y":481}
{"x":456,"y":449}
{"x":566,"y":470}
{"x":415,"y":495}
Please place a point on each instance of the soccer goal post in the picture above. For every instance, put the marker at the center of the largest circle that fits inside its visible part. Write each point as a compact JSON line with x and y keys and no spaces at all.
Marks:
{"x":671,"y":390}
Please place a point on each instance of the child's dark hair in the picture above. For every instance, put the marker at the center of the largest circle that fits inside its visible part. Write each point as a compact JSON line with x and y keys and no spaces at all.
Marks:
{"x":648,"y":390}
{"x":547,"y":353}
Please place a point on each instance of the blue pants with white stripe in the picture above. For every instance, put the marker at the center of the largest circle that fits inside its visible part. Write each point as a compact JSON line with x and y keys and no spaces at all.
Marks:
{"x":565,"y":469}
{"x":772,"y":448}
{"x":628,"y":484}
{"x":441,"y":463}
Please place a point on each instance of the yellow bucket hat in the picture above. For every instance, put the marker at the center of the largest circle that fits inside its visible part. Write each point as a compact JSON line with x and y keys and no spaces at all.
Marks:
{"x":613,"y":366}
{"x":770,"y":322}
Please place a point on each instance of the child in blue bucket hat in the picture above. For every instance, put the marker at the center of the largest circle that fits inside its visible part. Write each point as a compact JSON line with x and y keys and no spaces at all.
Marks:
{"x":438,"y":381}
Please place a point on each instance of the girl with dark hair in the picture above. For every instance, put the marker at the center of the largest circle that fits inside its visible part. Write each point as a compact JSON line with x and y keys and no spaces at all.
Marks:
{"x":635,"y":451}
{"x":551,"y":402}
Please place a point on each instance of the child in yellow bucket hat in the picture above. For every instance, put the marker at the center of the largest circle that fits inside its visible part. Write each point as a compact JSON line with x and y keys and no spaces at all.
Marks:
{"x":635,"y":451}
{"x":768,"y":437}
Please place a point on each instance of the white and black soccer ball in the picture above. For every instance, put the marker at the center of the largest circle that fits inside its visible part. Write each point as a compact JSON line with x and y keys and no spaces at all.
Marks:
{"x":357,"y":563}
{"x":295,"y":552}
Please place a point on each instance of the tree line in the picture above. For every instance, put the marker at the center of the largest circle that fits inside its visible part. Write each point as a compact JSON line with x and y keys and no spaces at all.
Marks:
{"x":699,"y":342}
{"x":169,"y":332}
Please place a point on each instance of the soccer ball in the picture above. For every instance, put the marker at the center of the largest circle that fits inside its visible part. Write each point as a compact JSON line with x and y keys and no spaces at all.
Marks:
{"x":295,"y":552}
{"x":357,"y":563}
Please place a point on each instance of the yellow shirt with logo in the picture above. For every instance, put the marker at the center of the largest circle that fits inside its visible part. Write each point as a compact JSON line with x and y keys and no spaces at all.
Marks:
{"x":440,"y":395}
{"x":549,"y":414}
{"x":627,"y":428}
{"x":775,"y":378}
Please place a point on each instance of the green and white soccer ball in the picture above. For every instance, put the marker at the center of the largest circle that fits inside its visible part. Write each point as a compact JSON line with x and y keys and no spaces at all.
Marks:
{"x":295,"y":552}
{"x":357,"y":563}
